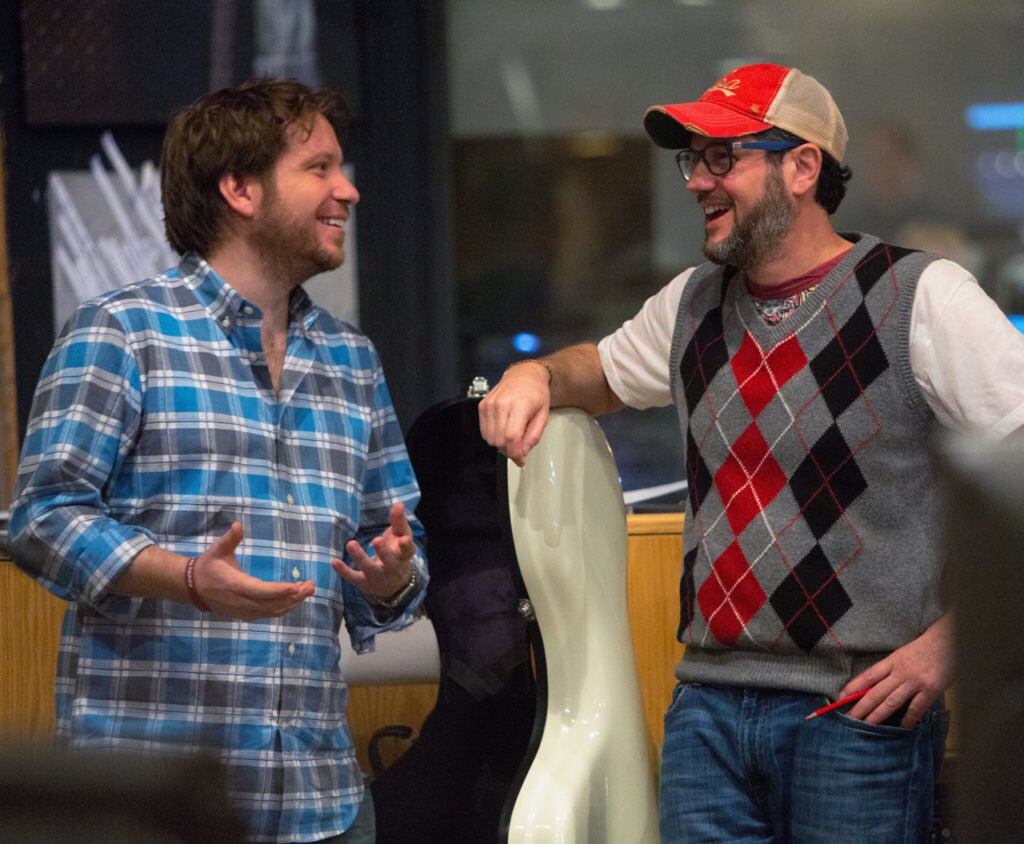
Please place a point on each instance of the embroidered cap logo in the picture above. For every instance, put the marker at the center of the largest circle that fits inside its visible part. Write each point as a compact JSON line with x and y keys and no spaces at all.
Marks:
{"x":727,"y":86}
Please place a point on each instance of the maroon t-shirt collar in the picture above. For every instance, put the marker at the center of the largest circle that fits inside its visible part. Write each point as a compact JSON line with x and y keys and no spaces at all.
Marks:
{"x":796,"y":285}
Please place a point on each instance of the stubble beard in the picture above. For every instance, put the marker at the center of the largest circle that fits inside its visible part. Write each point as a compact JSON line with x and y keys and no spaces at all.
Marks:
{"x":759,"y":236}
{"x":288,"y":248}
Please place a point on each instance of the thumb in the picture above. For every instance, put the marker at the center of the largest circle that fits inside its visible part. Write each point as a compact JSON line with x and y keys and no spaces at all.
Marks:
{"x":534,"y":431}
{"x":225,"y":545}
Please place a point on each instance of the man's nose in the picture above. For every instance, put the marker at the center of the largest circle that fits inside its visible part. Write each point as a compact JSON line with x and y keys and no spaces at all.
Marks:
{"x":344,"y":190}
{"x":701,"y":179}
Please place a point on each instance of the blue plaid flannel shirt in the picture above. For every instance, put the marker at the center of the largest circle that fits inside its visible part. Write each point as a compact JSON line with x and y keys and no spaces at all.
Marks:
{"x":155,"y":422}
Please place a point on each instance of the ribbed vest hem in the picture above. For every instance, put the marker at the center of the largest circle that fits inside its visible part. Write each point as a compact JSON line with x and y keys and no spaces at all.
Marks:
{"x":823,"y":674}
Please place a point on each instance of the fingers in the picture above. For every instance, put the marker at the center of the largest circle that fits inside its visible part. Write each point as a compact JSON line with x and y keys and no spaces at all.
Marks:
{"x":371,"y":578}
{"x":878,"y":704}
{"x":227,"y":590}
{"x":358,"y":556}
{"x":225,"y":545}
{"x":396,"y":544}
{"x":248,"y":598}
{"x":513,"y":429}
{"x":394,"y":548}
{"x":349,"y":574}
{"x":531,"y":436}
{"x":886,"y":699}
{"x":513,"y":415}
{"x":914,"y":676}
{"x":867,"y":679}
{"x":273,"y":600}
{"x":883,"y":697}
{"x":391,"y":567}
{"x":891,"y":690}
{"x":396,"y":554}
{"x":399,"y":523}
{"x":916,"y":709}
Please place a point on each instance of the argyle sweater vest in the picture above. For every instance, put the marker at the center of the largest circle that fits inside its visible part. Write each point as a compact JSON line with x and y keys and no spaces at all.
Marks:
{"x":811,"y":547}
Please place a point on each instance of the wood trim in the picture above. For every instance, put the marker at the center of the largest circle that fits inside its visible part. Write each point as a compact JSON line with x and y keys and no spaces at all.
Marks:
{"x":30,"y":620}
{"x":8,"y":392}
{"x":655,"y":553}
{"x":650,"y":523}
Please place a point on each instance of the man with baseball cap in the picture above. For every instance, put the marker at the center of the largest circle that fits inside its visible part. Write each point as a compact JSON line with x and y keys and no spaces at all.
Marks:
{"x":810,"y":369}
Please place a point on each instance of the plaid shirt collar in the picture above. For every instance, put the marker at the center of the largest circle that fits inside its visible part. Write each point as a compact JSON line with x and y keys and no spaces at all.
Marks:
{"x":227,"y":306}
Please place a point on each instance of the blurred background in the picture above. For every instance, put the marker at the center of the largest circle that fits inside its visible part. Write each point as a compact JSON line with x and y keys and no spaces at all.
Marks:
{"x":511,"y":202}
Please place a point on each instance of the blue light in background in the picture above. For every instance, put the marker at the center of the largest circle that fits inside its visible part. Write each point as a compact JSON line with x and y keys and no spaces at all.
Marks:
{"x":989,"y":116}
{"x":1017,"y":320}
{"x":526,"y":343}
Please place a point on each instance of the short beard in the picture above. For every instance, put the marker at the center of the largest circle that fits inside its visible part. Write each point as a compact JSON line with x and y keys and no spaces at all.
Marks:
{"x":759,"y":236}
{"x":284,"y":247}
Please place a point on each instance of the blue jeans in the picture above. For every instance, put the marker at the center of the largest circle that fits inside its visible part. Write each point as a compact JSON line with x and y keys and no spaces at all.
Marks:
{"x":743,"y":765}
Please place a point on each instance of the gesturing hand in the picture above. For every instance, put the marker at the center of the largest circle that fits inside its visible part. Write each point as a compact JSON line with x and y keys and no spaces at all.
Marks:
{"x":228,"y":590}
{"x":390,"y":570}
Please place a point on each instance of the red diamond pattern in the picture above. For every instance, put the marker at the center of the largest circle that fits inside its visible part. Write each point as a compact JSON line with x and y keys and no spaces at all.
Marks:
{"x":760,"y":376}
{"x":748,"y":480}
{"x":731,"y":596}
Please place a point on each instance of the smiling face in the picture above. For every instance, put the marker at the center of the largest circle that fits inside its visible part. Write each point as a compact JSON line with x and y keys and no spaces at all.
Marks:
{"x":299,"y":229}
{"x":747,"y":211}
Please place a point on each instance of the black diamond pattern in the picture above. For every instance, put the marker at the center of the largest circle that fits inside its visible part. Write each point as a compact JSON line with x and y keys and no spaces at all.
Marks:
{"x":827,"y":481}
{"x":698,"y":477}
{"x":843,"y":381}
{"x":810,"y":600}
{"x":878,"y":263}
{"x":687,"y":593}
{"x":705,"y":354}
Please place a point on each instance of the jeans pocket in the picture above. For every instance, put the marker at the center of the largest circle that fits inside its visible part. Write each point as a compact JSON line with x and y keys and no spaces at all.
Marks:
{"x":889,"y":727}
{"x":678,"y":693}
{"x":935,"y":719}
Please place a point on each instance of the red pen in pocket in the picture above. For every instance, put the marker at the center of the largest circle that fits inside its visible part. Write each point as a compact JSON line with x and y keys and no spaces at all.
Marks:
{"x":838,"y":703}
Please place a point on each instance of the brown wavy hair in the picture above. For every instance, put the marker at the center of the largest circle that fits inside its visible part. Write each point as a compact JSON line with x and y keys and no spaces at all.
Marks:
{"x":241,"y":130}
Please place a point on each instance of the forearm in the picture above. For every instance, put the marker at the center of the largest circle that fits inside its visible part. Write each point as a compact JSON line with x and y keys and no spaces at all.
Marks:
{"x":578,"y":380}
{"x":74,"y":550}
{"x":153,"y":573}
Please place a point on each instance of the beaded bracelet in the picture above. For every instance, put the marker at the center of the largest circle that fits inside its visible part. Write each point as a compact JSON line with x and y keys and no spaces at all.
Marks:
{"x":543,"y":363}
{"x":190,"y":585}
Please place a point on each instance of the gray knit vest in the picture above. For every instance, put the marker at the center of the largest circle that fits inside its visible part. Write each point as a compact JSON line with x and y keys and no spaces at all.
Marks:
{"x":811,"y":545}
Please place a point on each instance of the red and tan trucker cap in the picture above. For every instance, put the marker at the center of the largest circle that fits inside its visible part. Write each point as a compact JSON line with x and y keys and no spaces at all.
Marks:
{"x":752,"y":99}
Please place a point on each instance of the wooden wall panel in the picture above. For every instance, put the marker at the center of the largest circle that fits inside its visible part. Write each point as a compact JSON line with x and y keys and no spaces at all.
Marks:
{"x":29,"y":634}
{"x":8,"y":387}
{"x":373,"y":707}
{"x":655,"y":562}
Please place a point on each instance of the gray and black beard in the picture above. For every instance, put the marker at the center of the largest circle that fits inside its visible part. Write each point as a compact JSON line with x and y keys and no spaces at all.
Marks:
{"x":759,"y":236}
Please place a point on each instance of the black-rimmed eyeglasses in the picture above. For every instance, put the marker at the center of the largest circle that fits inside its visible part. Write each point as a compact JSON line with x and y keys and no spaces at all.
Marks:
{"x":718,"y":158}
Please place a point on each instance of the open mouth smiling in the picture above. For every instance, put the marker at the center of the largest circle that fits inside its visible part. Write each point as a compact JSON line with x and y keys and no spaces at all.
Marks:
{"x":713,"y":212}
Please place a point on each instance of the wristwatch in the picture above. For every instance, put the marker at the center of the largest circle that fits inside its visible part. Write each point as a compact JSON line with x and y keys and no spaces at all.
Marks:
{"x":399,"y":598}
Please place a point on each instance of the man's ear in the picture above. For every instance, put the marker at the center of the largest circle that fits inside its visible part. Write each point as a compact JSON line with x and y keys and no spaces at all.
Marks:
{"x":807,"y":160}
{"x":241,"y":192}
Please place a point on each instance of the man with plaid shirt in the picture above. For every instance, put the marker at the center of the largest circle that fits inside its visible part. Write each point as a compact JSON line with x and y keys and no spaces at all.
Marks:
{"x":214,"y":478}
{"x":809,"y":369}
